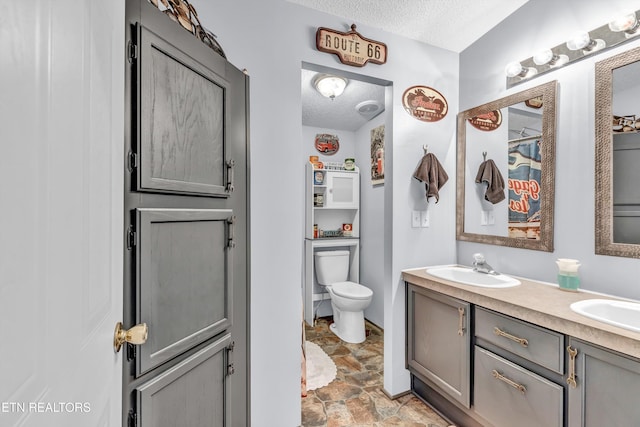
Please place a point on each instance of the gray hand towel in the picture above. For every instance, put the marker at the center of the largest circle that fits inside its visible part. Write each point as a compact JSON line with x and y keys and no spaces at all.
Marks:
{"x":488,"y":172}
{"x":430,"y":172}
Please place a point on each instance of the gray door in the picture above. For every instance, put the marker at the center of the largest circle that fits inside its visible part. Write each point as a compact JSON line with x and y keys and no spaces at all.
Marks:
{"x":186,"y":210}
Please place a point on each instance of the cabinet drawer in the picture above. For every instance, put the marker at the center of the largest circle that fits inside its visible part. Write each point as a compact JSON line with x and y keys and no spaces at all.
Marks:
{"x":506,"y":394}
{"x":533,"y":343}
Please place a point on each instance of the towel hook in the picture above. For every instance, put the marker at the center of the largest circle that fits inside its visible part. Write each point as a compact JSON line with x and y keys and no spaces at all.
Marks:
{"x":484,"y":156}
{"x":425,"y":147}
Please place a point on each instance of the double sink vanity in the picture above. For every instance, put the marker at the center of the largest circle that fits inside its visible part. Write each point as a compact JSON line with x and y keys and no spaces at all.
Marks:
{"x":496,"y":350}
{"x":492,"y":350}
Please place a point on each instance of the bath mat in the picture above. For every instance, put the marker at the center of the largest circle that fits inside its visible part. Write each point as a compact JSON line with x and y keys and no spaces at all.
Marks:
{"x":320,"y":368}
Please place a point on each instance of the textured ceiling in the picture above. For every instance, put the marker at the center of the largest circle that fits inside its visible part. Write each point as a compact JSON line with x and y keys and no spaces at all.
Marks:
{"x":340,"y":112}
{"x":449,"y":24}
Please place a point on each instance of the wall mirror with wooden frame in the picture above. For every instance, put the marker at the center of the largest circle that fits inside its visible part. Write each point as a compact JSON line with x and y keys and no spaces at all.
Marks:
{"x":617,"y":155}
{"x":506,"y":170}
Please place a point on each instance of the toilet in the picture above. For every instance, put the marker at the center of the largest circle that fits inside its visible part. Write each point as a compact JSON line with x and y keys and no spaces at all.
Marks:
{"x":348,"y":299}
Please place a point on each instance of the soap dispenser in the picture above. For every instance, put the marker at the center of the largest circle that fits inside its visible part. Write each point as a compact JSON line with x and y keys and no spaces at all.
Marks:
{"x":568,"y":278}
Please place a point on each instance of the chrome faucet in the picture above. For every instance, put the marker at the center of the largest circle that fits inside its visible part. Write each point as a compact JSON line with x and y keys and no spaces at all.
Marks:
{"x":481,"y":266}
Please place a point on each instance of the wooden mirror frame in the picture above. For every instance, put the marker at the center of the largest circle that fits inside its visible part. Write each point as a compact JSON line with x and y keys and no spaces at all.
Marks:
{"x":604,"y":156}
{"x":547,"y":184}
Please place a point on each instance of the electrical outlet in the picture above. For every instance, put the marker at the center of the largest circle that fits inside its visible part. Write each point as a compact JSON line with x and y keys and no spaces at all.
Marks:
{"x":483,"y":217}
{"x":424,"y":218}
{"x":415,"y":219}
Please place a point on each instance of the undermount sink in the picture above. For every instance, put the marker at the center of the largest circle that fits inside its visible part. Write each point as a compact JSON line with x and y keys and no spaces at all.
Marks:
{"x":623,"y":314}
{"x":469,"y":277}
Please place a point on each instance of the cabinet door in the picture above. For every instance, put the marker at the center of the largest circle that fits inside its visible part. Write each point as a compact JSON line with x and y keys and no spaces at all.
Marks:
{"x":184,"y":279}
{"x":607,"y":388}
{"x":438,"y":342}
{"x":182,"y":122}
{"x":192,"y":393}
{"x":343,"y":190}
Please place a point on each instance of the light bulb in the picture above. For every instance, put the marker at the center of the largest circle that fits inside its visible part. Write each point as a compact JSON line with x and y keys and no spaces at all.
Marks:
{"x":579,"y":41}
{"x":627,"y":23}
{"x":583,"y":41}
{"x":547,"y":57}
{"x":515,"y":69}
{"x":543,"y":57}
{"x":623,"y":22}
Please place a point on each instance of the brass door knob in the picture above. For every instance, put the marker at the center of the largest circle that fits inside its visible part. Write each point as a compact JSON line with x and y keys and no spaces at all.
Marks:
{"x":136,"y":335}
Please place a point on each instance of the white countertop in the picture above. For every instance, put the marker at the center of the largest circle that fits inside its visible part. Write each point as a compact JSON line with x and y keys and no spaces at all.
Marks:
{"x":539,"y":303}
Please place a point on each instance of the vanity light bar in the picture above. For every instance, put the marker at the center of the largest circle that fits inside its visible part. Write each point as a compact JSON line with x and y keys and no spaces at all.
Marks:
{"x":582,"y":44}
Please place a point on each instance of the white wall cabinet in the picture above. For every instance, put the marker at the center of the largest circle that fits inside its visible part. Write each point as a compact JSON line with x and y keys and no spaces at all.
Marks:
{"x":332,"y":199}
{"x":332,"y":222}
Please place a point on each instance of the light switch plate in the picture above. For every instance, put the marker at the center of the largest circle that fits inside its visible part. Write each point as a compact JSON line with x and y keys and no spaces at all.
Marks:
{"x":424,"y":218}
{"x":415,"y":219}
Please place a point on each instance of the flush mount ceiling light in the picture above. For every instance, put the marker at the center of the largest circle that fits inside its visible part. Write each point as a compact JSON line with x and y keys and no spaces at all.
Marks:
{"x":582,"y":40}
{"x":627,"y":23}
{"x":547,"y":57}
{"x":329,"y":85}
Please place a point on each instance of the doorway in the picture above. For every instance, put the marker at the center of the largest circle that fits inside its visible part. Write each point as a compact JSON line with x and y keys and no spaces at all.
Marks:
{"x":361,"y":114}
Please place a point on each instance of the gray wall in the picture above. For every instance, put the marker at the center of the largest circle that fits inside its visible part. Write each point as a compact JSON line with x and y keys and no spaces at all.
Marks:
{"x":271,"y":38}
{"x":537,"y":25}
{"x":372,"y":239}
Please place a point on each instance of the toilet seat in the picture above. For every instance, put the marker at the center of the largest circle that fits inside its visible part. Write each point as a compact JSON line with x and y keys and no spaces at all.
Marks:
{"x":351,"y":290}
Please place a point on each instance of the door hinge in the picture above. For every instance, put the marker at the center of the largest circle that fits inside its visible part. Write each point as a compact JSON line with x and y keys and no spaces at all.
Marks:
{"x":230,"y":368}
{"x":131,"y":352}
{"x":230,"y":165}
{"x":132,"y":51}
{"x":132,"y":161}
{"x":132,"y":419}
{"x":131,"y":237}
{"x":231,"y":241}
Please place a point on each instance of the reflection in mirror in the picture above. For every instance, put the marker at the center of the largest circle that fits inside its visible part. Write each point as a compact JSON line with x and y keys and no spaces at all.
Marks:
{"x":506,"y":168}
{"x":618,"y":155}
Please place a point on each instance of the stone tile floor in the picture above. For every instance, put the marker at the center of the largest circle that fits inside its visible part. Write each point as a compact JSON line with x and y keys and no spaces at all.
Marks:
{"x":355,"y":398}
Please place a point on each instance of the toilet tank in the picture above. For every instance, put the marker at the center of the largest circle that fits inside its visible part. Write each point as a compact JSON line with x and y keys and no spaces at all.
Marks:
{"x":332,"y":266}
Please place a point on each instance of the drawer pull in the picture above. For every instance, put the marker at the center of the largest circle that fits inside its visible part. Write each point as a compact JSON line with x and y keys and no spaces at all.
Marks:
{"x":461,"y":321}
{"x":497,"y":375}
{"x":571,"y":379}
{"x":522,"y":341}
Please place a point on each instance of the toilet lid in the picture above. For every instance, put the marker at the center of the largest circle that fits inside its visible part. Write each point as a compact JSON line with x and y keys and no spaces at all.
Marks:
{"x":351,"y":290}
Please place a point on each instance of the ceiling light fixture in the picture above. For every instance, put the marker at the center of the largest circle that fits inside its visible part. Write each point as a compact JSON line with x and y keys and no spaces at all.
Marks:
{"x":329,"y":85}
{"x":627,"y":23}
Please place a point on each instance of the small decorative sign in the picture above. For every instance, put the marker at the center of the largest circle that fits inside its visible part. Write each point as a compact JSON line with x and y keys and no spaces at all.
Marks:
{"x":350,"y":47}
{"x":534,"y":102}
{"x":425,"y":103}
{"x":487,"y":121}
{"x":327,"y":144}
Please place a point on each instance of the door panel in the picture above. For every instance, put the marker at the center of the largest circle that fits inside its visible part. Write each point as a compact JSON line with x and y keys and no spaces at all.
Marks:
{"x":193,"y":393}
{"x":61,"y":241}
{"x":183,"y":112}
{"x":184,"y":278}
